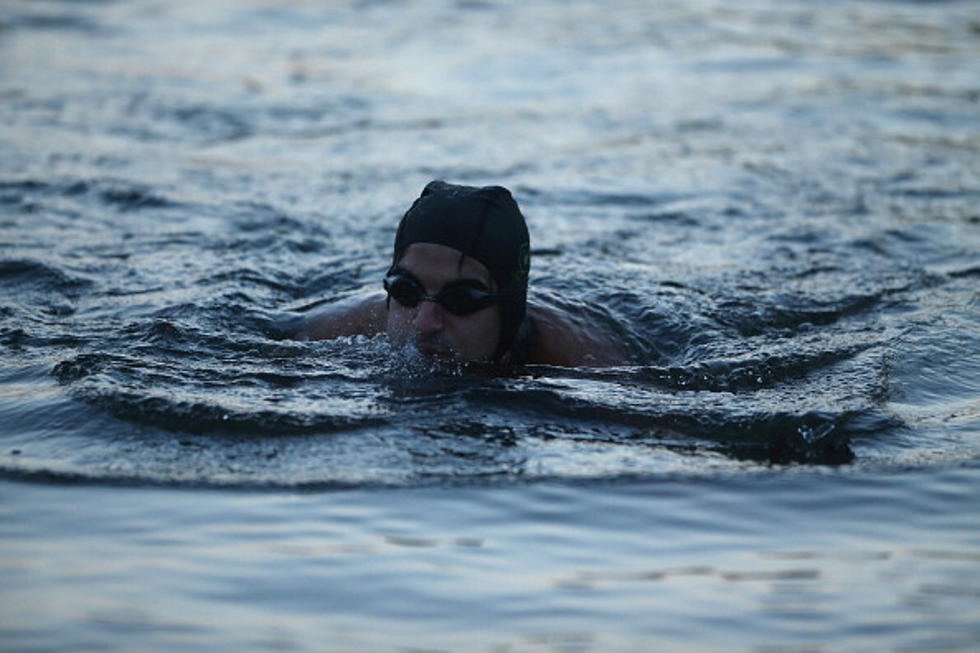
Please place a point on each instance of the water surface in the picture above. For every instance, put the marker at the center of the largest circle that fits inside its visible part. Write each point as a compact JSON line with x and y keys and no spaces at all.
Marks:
{"x":771,"y":205}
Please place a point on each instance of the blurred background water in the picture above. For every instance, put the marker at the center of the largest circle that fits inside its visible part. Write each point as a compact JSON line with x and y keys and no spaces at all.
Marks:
{"x":771,"y":205}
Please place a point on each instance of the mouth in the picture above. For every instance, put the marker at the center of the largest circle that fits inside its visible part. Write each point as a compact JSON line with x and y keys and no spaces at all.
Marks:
{"x":431,"y":350}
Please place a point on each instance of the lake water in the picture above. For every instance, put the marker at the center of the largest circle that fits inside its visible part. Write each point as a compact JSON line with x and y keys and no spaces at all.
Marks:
{"x":772,"y":205}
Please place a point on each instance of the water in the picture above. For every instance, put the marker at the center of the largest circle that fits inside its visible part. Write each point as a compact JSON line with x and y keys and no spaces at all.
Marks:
{"x":771,"y":205}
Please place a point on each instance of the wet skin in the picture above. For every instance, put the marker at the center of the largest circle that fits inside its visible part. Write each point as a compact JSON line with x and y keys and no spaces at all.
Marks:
{"x":431,"y":329}
{"x":562,"y":338}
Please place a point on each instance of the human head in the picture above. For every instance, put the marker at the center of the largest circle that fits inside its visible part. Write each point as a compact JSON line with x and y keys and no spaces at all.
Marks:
{"x":452,"y":233}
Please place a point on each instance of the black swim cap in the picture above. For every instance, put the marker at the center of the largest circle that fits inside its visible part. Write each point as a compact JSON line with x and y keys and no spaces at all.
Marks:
{"x":482,"y":223}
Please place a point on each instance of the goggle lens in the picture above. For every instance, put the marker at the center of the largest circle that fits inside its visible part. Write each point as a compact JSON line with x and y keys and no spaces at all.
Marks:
{"x":459,"y":299}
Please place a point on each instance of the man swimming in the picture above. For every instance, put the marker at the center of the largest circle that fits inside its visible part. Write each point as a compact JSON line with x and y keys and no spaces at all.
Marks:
{"x":456,"y":290}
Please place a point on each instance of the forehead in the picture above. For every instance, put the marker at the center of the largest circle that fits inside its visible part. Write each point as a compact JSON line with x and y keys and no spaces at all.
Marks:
{"x":438,"y":265}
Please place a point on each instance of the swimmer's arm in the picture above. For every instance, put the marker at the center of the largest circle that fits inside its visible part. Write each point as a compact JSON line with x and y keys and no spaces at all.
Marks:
{"x":565,"y":339}
{"x":353,"y":316}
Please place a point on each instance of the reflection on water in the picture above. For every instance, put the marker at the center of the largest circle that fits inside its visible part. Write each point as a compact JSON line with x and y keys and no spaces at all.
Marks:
{"x":610,"y":566}
{"x":772,"y":206}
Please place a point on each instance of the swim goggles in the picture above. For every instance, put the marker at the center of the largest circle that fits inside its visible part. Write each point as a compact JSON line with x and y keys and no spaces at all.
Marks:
{"x":459,"y":298}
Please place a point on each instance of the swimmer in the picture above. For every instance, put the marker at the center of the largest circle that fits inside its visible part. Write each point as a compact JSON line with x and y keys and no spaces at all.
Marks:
{"x":456,"y":289}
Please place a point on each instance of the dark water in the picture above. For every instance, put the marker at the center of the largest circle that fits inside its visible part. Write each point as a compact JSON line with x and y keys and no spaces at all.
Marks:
{"x":771,"y":205}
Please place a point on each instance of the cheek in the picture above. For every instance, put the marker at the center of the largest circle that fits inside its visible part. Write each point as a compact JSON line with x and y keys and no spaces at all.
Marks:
{"x":399,"y":321}
{"x":478,"y":334}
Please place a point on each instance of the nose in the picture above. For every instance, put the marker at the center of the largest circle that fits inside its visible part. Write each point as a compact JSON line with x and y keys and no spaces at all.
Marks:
{"x":428,"y":317}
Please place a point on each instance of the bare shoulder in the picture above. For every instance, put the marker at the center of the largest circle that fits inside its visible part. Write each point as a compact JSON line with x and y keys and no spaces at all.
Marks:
{"x":563,"y":338}
{"x":362,"y":314}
